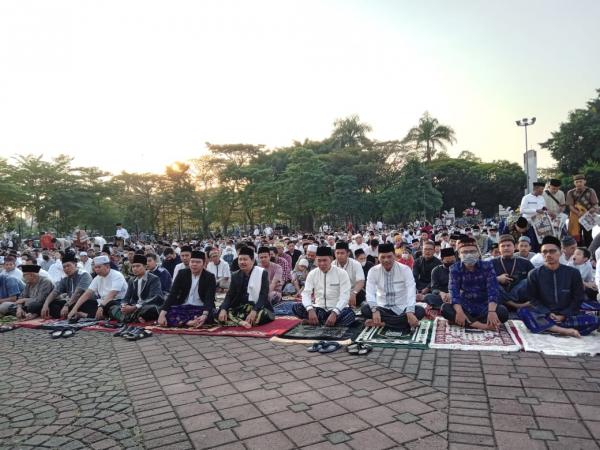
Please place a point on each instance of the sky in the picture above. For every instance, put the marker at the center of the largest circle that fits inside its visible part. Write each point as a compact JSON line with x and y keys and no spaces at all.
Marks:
{"x":137,"y":85}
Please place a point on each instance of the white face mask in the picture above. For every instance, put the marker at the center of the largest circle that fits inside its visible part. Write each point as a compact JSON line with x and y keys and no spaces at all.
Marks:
{"x":362,"y":263}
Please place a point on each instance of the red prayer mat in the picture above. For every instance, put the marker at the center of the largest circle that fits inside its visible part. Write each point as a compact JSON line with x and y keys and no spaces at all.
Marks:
{"x":453,"y":337}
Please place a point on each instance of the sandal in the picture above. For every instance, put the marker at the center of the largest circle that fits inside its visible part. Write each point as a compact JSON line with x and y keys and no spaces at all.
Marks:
{"x":55,"y":334}
{"x":124,"y":330}
{"x":330,"y":347}
{"x":5,"y":328}
{"x":317,"y":346}
{"x":137,"y":333}
{"x":364,"y":349}
{"x":354,"y":348}
{"x":67,"y":332}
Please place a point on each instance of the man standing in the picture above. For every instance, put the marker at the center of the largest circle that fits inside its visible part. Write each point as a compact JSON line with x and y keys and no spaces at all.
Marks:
{"x":391,"y":293}
{"x":581,"y":200}
{"x":247,"y":301}
{"x":121,"y":236}
{"x":191,"y":301}
{"x":554,"y":198}
{"x":68,"y":290}
{"x":556,"y":293}
{"x":330,"y":287}
{"x":532,"y":204}
{"x":143,"y":297}
{"x":109,"y":287}
{"x":474,"y":291}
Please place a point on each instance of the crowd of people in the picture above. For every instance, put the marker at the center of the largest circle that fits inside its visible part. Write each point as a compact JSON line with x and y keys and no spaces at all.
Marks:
{"x":477,"y":276}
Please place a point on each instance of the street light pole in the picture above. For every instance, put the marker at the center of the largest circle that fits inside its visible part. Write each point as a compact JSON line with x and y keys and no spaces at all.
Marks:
{"x":525,"y":122}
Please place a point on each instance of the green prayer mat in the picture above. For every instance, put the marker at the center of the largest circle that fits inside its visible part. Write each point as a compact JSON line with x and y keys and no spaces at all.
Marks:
{"x":302,"y":331}
{"x":386,"y":337}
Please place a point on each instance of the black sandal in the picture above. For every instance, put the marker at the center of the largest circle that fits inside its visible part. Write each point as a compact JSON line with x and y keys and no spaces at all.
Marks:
{"x":5,"y":328}
{"x":138,"y":333}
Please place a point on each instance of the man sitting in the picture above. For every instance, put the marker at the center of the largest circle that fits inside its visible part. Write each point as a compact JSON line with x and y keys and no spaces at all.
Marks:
{"x":275,"y":274}
{"x":556,"y":293}
{"x":143,"y":297}
{"x":474,"y":291}
{"x":185,"y":255}
{"x":108,"y":287}
{"x":440,"y":275}
{"x":391,"y":293}
{"x":37,"y":288}
{"x":422,"y":269}
{"x":353,"y":268}
{"x":220,"y":269}
{"x":10,"y":289}
{"x":511,"y":273}
{"x":191,"y":301}
{"x":163,"y":274}
{"x":68,"y":290}
{"x":524,"y":247}
{"x":247,"y":301}
{"x":330,"y":287}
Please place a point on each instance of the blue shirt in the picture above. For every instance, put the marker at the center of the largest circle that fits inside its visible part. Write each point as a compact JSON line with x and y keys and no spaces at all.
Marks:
{"x":473,"y":290}
{"x":9,"y":286}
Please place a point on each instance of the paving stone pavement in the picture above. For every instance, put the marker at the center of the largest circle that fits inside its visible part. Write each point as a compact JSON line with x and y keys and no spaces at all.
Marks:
{"x":180,"y":392}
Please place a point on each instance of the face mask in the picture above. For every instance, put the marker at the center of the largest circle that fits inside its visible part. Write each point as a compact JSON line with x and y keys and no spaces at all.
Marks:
{"x":470,"y":260}
{"x":362,"y":263}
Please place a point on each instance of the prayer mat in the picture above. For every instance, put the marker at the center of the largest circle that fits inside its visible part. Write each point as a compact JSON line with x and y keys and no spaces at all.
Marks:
{"x":453,"y":337}
{"x":554,"y":344}
{"x":302,"y":331}
{"x":275,"y":328}
{"x":386,"y":337}
{"x":33,"y":323}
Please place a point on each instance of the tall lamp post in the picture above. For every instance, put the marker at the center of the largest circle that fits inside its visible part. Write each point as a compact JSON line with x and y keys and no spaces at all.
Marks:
{"x":525,"y":122}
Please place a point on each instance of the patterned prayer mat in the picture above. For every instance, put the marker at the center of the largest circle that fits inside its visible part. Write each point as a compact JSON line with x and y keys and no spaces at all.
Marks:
{"x":385,"y":337}
{"x":302,"y":331}
{"x":454,"y":337}
{"x":553,"y":344}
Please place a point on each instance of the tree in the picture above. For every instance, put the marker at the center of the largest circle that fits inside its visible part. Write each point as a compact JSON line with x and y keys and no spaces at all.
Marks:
{"x":350,"y":132}
{"x":577,"y":141}
{"x":469,"y":156}
{"x":429,"y":134}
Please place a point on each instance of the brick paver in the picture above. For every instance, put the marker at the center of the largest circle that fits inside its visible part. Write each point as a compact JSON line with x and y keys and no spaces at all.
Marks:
{"x":170,"y":391}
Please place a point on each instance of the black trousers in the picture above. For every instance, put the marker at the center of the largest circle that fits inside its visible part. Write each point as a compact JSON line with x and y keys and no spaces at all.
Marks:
{"x":390,"y":318}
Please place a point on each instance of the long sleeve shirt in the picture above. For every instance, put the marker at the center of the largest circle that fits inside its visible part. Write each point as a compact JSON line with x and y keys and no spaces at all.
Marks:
{"x":423,"y":267}
{"x":554,"y":201}
{"x":38,"y":291}
{"x":331,"y":289}
{"x":530,"y":204}
{"x":516,"y":267}
{"x":440,"y":276}
{"x":473,"y":290}
{"x":557,"y":291}
{"x":394,"y":289}
{"x":165,"y":278}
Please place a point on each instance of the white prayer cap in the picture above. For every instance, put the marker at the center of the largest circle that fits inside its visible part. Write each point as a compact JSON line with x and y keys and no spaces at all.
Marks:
{"x":312,"y":248}
{"x":83,"y":254}
{"x":356,"y":236}
{"x":102,"y":259}
{"x":303,"y":262}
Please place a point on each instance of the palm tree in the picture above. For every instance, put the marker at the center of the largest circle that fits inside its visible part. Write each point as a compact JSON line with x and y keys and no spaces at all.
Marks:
{"x":350,"y":132}
{"x":428,"y":134}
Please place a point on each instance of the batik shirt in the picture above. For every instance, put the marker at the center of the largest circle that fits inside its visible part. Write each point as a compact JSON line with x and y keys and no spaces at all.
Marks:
{"x":473,"y":290}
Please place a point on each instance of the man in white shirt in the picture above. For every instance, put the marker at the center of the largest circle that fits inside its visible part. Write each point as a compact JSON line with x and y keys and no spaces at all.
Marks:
{"x":391,"y":294}
{"x":85,"y":263}
{"x":534,"y":203}
{"x":554,"y":198}
{"x":358,"y":243}
{"x":352,"y":267}
{"x":220,"y":269}
{"x":121,"y":235}
{"x":330,"y":286}
{"x":109,"y":287}
{"x":185,"y":255}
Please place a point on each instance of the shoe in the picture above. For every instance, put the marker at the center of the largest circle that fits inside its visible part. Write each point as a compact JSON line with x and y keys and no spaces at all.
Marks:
{"x":55,"y":334}
{"x":317,"y":346}
{"x":68,"y":332}
{"x":330,"y":347}
{"x":124,"y":329}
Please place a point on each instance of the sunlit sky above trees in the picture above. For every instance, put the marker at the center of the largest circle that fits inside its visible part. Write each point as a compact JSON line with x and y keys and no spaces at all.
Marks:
{"x":136,"y":85}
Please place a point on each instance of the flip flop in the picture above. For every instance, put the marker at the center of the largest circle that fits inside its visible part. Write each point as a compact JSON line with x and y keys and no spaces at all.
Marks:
{"x":138,"y":333}
{"x":317,"y":346}
{"x":353,"y":349}
{"x":55,"y":334}
{"x":330,"y":347}
{"x":67,"y":333}
{"x":364,"y":349}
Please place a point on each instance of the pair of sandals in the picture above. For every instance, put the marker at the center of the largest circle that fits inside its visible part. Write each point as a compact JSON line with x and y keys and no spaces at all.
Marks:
{"x":5,"y":328}
{"x":66,"y":332}
{"x":358,"y":348}
{"x":324,"y":347}
{"x":132,"y":333}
